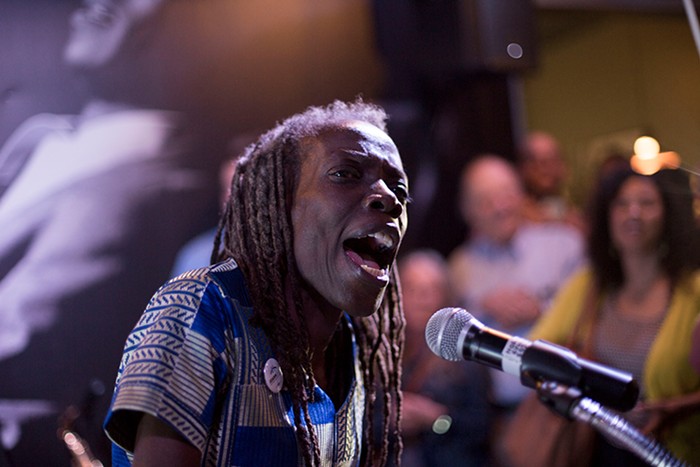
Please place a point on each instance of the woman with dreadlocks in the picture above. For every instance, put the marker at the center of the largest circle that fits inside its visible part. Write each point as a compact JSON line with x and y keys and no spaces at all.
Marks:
{"x":282,"y":350}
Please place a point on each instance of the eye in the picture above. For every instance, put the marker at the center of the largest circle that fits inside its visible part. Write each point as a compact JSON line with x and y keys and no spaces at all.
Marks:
{"x":401,"y":193}
{"x":619,"y":203}
{"x":345,"y":173}
{"x":647,"y":202}
{"x":101,"y":13}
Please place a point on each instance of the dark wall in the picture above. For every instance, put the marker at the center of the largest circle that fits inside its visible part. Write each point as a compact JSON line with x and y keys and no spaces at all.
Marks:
{"x":448,"y":62}
{"x":448,"y":124}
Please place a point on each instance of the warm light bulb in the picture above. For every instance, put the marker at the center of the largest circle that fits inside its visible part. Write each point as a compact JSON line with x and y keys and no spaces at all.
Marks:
{"x":645,"y":166}
{"x":646,"y":147}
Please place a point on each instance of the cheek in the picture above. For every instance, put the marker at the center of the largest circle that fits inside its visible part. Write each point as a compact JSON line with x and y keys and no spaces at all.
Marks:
{"x":403,"y":223}
{"x":301,"y":219}
{"x":658,"y":225}
{"x":311,"y":237}
{"x":96,"y":47}
{"x":614,"y":218}
{"x":614,"y":227}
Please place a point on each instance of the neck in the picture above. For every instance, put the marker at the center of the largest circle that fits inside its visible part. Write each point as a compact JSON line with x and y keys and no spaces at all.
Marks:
{"x":321,"y":323}
{"x":97,"y":107}
{"x":641,"y":272}
{"x":645,"y":293}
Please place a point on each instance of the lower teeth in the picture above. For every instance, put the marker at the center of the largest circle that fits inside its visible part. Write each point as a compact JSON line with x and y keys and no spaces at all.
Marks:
{"x":375,"y":272}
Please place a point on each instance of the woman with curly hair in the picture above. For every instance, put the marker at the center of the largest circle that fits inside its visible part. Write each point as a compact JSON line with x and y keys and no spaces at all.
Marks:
{"x":637,"y":301}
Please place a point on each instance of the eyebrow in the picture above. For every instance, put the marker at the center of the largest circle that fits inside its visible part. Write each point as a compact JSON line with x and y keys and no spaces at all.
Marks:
{"x":352,"y":152}
{"x":363,"y":156}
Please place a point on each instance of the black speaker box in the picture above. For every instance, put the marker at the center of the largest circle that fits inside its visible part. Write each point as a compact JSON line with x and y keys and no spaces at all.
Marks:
{"x":437,"y":37}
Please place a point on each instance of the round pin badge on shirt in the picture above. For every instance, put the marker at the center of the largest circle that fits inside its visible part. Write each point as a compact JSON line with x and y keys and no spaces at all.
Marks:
{"x":273,"y":375}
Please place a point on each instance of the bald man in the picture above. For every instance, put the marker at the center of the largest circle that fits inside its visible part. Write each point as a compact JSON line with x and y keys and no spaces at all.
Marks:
{"x":509,"y":268}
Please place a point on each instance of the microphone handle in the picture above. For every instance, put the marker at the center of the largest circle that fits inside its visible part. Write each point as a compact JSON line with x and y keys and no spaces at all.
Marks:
{"x":534,"y":362}
{"x":545,"y":361}
{"x":486,"y":347}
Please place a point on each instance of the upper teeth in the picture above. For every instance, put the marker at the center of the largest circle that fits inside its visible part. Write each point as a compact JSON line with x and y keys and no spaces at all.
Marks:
{"x":383,"y":239}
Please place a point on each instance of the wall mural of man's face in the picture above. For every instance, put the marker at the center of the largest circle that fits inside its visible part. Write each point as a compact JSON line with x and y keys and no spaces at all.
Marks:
{"x":99,"y":27}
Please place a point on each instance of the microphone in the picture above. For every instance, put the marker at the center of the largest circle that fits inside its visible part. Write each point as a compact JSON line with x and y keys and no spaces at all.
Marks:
{"x":454,"y":334}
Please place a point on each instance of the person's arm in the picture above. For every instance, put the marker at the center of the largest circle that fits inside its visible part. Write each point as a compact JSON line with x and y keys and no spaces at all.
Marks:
{"x":419,"y":412}
{"x":508,"y":306}
{"x":695,"y":347}
{"x":157,"y":444}
{"x":556,"y":324}
{"x":511,"y":307}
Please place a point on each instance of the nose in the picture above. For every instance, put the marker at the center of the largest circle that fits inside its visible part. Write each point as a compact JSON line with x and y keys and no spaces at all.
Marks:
{"x":634,"y":210}
{"x":381,"y":198}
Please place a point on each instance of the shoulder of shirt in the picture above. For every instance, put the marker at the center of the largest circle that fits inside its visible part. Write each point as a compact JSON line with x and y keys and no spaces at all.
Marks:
{"x":695,"y":276}
{"x":203,"y":272}
{"x":692,"y":280}
{"x":550,"y":230}
{"x":584,"y":274}
{"x":223,"y":274}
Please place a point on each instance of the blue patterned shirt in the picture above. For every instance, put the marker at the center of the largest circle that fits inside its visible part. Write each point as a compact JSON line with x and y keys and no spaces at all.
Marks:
{"x":195,"y":363}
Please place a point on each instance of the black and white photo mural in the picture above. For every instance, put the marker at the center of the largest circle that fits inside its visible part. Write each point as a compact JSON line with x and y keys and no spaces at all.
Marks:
{"x":114,"y":118}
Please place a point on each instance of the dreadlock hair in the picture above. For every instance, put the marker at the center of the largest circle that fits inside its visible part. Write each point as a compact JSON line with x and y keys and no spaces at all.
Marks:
{"x":256,"y":231}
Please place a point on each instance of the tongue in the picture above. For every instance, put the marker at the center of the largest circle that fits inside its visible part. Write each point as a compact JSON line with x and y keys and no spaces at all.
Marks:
{"x":359,"y":260}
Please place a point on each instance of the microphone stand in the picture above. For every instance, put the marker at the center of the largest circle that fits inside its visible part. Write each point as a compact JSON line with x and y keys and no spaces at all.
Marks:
{"x":568,"y":402}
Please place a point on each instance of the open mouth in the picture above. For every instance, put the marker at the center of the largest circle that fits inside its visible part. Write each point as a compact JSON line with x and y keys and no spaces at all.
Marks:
{"x":373,"y":253}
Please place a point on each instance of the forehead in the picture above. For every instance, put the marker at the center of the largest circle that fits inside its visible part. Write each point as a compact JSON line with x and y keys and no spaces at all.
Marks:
{"x":136,"y":7}
{"x":540,"y":144}
{"x":641,"y":185}
{"x":362,"y":140}
{"x":489,"y":176}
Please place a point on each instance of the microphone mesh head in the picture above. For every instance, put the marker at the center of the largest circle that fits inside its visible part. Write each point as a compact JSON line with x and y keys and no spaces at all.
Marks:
{"x":443,"y":330}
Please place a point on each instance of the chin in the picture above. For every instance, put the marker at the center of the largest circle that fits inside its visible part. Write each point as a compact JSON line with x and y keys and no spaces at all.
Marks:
{"x":83,"y":61}
{"x":365,"y":308}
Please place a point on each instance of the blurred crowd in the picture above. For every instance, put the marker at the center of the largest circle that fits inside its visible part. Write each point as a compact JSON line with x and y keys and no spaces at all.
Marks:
{"x":621,"y":271}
